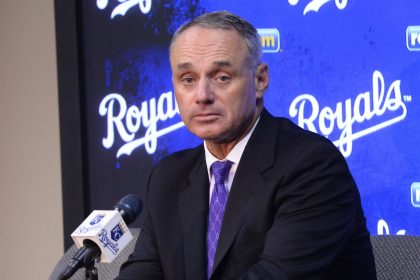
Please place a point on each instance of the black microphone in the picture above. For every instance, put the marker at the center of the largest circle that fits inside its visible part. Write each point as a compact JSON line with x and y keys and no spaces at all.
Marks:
{"x":103,"y":234}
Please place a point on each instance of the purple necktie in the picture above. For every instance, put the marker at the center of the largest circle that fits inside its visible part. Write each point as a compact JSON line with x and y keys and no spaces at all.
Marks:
{"x":218,"y":200}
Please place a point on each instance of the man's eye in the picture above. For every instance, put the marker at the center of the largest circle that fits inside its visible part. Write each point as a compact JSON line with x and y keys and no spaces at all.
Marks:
{"x":187,"y":80}
{"x":224,"y":78}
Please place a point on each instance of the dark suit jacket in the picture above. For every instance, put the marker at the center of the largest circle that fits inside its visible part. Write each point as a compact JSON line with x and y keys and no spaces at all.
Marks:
{"x":293,"y":212}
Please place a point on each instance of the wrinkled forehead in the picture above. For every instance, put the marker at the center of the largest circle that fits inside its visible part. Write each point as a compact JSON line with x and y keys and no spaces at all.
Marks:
{"x":194,"y":32}
{"x":205,"y":42}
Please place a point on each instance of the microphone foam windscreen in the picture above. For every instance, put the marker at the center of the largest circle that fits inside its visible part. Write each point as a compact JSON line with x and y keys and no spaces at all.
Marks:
{"x":131,"y":206}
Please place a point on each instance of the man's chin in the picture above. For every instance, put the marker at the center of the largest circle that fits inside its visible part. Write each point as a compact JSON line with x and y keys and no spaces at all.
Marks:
{"x":219,"y":139}
{"x":207,"y":135}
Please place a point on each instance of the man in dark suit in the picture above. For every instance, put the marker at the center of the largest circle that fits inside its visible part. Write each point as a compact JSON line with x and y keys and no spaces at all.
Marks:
{"x":261,"y":198}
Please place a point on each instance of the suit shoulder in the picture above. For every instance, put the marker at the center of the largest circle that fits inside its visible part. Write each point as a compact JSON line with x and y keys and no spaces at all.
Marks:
{"x":300,"y":145}
{"x":179,"y":161}
{"x":289,"y":130}
{"x":172,"y":173}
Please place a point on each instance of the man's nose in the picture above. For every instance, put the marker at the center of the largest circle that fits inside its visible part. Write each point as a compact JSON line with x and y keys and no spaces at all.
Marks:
{"x":204,"y":93}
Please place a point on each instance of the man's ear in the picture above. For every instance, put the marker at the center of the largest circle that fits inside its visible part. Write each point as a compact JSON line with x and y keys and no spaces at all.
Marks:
{"x":261,"y":79}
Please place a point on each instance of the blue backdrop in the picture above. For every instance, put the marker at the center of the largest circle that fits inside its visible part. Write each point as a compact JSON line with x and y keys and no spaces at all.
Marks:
{"x":348,"y":70}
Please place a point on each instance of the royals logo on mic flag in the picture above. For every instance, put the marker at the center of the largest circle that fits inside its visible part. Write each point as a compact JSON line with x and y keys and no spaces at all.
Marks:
{"x":107,"y":229}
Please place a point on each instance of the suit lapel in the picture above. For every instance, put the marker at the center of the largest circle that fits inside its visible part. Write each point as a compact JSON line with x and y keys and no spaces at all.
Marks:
{"x":193,"y":207}
{"x":258,"y":156}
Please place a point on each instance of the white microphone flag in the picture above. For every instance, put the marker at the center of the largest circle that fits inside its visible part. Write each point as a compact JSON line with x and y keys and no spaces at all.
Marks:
{"x":107,"y":229}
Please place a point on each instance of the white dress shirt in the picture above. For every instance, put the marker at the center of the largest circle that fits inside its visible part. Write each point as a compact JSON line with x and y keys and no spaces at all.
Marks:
{"x":234,"y":156}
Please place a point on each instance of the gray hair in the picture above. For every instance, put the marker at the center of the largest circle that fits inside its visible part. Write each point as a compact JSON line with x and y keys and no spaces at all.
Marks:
{"x":228,"y":21}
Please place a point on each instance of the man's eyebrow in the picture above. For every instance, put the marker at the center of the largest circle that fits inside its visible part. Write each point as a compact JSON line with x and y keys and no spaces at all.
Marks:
{"x":218,"y":63}
{"x":222,"y":63}
{"x":183,"y":66}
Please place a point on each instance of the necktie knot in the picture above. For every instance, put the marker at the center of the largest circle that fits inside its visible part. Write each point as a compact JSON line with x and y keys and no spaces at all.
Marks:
{"x":221,"y":170}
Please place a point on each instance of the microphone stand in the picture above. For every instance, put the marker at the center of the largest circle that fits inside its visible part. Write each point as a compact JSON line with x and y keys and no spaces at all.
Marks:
{"x":91,"y":272}
{"x":85,"y":257}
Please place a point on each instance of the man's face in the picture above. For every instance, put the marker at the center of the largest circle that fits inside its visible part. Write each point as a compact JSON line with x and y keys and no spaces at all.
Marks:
{"x":214,"y":86}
